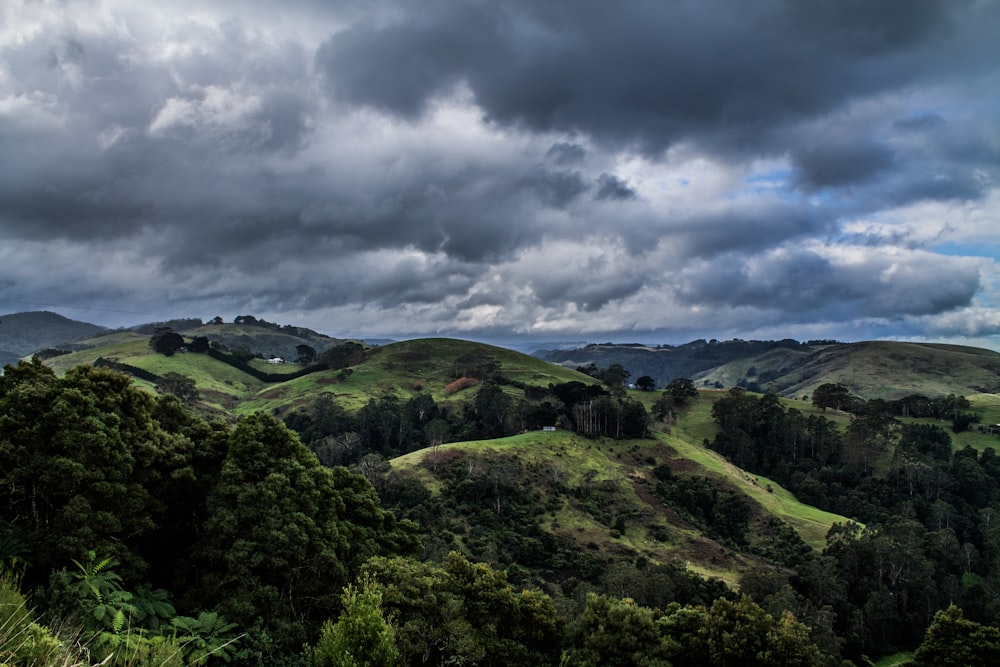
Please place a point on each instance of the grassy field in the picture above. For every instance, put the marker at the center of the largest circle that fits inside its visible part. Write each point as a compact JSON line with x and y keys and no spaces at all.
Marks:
{"x":402,"y":369}
{"x":687,"y":438}
{"x":624,"y":465}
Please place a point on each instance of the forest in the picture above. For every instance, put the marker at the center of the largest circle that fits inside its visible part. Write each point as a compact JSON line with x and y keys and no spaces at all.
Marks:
{"x":135,"y":532}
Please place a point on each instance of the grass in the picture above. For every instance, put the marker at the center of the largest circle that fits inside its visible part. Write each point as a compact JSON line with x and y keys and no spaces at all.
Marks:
{"x":582,"y":461}
{"x":811,"y":523}
{"x":402,"y":369}
{"x":624,"y":464}
{"x":405,"y":370}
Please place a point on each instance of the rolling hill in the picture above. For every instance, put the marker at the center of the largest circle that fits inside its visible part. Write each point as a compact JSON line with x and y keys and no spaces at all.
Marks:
{"x":24,"y":333}
{"x":403,"y":369}
{"x":593,"y":503}
{"x":658,"y":519}
{"x":876,"y":369}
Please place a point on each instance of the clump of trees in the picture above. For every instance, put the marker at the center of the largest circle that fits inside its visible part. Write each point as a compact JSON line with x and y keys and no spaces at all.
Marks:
{"x":930,"y":537}
{"x":136,"y":518}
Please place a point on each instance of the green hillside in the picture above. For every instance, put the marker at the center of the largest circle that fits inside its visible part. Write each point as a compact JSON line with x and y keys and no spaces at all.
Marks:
{"x":619,"y":473}
{"x":599,"y":495}
{"x":658,"y":517}
{"x":876,"y":369}
{"x":403,"y":369}
{"x":24,"y":333}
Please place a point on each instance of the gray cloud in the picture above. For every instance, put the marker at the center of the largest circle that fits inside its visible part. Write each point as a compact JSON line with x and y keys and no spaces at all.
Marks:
{"x":610,"y":186}
{"x":803,"y":281}
{"x":834,"y":165}
{"x":564,"y":153}
{"x":500,"y":167}
{"x":729,"y":74}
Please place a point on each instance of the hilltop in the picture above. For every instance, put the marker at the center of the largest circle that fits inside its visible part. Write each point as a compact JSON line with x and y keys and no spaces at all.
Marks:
{"x":402,"y":369}
{"x":24,"y":333}
{"x":875,"y":369}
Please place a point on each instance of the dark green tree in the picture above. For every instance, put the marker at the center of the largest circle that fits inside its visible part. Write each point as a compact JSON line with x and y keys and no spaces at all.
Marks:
{"x":284,"y":534}
{"x":73,"y":455}
{"x":615,"y":633}
{"x":954,"y":641}
{"x":614,"y":376}
{"x":832,"y":395}
{"x":645,"y":383}
{"x":306,"y":354}
{"x":495,"y":410}
{"x":184,"y":388}
{"x":682,"y":391}
{"x":459,"y":612}
{"x":166,"y":341}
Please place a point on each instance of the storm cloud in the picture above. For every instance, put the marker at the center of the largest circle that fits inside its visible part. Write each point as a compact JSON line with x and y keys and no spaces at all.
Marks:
{"x":640,"y":170}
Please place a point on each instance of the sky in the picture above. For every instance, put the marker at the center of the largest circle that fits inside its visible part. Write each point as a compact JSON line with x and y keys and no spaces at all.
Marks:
{"x":567,"y":170}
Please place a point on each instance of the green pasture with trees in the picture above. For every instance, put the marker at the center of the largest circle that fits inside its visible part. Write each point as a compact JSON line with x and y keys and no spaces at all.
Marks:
{"x":440,"y":502}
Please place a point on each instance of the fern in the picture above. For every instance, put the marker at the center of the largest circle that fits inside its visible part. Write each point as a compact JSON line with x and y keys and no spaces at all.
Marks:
{"x":95,"y":577}
{"x":209,"y":635}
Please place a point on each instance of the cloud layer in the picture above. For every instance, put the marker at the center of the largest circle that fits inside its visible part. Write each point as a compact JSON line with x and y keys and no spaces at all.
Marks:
{"x":633,"y":170}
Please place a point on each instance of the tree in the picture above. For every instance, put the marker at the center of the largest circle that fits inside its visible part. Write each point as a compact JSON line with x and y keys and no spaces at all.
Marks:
{"x":832,"y":395}
{"x":199,"y":344}
{"x":182,"y":387}
{"x":616,"y":633}
{"x":343,"y":355}
{"x":494,"y":409}
{"x":645,"y":383}
{"x":465,"y":613}
{"x":361,"y":637}
{"x":284,"y":534}
{"x":681,"y":390}
{"x":953,"y":640}
{"x":614,"y":376}
{"x":74,"y":455}
{"x":306,"y":354}
{"x":741,"y":633}
{"x":166,"y":341}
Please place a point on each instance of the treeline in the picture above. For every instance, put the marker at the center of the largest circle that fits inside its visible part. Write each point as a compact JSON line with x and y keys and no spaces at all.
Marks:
{"x":390,"y":426}
{"x":930,"y":537}
{"x":955,"y":409}
{"x":140,"y":526}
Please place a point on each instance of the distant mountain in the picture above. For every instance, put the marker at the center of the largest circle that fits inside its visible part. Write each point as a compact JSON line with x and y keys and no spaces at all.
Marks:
{"x":24,"y":333}
{"x":875,"y":369}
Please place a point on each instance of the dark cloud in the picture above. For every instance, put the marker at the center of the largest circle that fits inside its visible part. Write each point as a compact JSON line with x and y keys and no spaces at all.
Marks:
{"x":806,"y":282}
{"x":557,"y":189}
{"x":835,"y":165}
{"x":610,"y":186}
{"x":872,"y":28}
{"x":651,"y":74}
{"x":564,"y":154}
{"x":514,"y":166}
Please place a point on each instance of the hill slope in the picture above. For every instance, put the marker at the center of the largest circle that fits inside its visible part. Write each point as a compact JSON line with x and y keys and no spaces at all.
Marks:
{"x":585,"y":502}
{"x":24,"y":333}
{"x":878,"y":369}
{"x":404,"y":369}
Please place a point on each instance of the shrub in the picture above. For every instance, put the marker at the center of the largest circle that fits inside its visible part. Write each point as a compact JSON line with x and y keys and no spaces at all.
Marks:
{"x":459,"y":384}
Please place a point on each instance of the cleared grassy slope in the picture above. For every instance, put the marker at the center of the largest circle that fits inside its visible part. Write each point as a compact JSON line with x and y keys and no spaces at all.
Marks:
{"x":624,"y":469}
{"x":403,"y":369}
{"x":875,"y":369}
{"x":412,"y":367}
